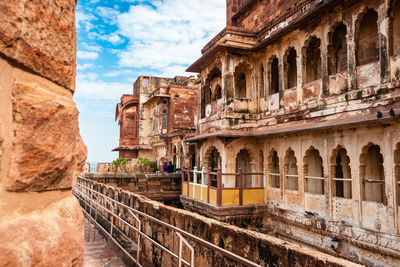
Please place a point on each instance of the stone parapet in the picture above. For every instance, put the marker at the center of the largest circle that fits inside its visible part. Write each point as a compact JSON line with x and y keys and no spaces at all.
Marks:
{"x":260,"y":248}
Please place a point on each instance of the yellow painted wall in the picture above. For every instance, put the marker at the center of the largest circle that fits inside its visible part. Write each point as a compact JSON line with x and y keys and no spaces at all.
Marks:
{"x":205,"y":194}
{"x":190,"y":190}
{"x":197,"y":192}
{"x":230,"y":197}
{"x":184,"y":189}
{"x":213,"y":196}
{"x":253,"y":196}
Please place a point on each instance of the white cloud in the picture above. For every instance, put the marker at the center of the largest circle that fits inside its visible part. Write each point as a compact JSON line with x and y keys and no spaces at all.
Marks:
{"x":84,"y":66}
{"x":170,"y":36}
{"x":113,"y":38}
{"x":85,"y":20}
{"x":90,"y":88}
{"x":109,"y":15}
{"x":95,"y":48}
{"x":87,"y":55}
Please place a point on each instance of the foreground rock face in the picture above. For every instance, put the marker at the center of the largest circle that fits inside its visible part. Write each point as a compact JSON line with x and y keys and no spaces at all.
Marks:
{"x":41,"y":150}
{"x":40,"y":34}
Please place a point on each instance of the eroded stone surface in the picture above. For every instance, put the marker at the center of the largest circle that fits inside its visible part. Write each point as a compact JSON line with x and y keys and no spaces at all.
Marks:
{"x":40,"y":145}
{"x":49,"y":237}
{"x":47,"y":149}
{"x":41,"y":36}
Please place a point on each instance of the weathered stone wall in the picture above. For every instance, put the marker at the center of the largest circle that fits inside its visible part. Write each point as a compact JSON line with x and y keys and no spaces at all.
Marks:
{"x":262,"y":249}
{"x":366,"y":220}
{"x":41,"y":150}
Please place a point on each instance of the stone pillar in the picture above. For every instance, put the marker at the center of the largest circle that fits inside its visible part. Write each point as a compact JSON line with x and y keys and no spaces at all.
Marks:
{"x":41,"y":151}
{"x":300,"y":71}
{"x":282,"y":79}
{"x":351,"y":60}
{"x":324,"y":68}
{"x":384,"y":46}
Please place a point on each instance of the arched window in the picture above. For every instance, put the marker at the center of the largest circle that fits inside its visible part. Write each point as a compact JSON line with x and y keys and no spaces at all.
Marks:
{"x":242,"y":81}
{"x":262,"y":82}
{"x":291,"y":68}
{"x":372,"y":174}
{"x":274,"y":84}
{"x":215,"y":160}
{"x":291,"y":173}
{"x":312,"y":62}
{"x":368,"y":40}
{"x":313,"y":172}
{"x":341,"y":174}
{"x":337,"y":50}
{"x":213,"y":78}
{"x":274,"y":173}
{"x":395,"y":15}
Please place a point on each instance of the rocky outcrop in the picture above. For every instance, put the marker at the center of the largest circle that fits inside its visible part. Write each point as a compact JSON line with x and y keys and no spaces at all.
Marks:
{"x":48,"y":237}
{"x":41,"y":150}
{"x":40,"y":34}
{"x":47,"y":149}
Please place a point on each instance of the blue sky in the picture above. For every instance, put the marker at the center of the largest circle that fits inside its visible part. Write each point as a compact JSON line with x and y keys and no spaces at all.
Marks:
{"x":121,"y":40}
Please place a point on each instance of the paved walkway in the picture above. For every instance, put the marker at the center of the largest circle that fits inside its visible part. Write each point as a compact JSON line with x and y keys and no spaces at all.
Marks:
{"x":97,"y":253}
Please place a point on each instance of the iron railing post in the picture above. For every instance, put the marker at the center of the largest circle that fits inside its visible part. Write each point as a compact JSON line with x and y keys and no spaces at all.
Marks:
{"x":240,"y":187}
{"x":209,"y":184}
{"x":188,"y":183}
{"x":183,"y":179}
{"x":219,"y":188}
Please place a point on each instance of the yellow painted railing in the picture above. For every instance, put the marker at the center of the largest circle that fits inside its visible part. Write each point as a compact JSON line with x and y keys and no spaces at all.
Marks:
{"x":253,"y":196}
{"x":219,"y":196}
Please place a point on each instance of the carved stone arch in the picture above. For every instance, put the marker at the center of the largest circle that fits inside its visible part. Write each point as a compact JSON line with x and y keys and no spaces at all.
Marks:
{"x":365,"y":13}
{"x":312,"y":59}
{"x":273,"y":74}
{"x":393,"y":13}
{"x":372,"y":174}
{"x":337,"y":47}
{"x":291,"y":170}
{"x":212,"y":159}
{"x":313,"y":168}
{"x":290,"y":67}
{"x":208,"y":149}
{"x":245,"y":60}
{"x":243,"y":77}
{"x":340,"y":168}
{"x":274,"y":172}
{"x":213,"y":79}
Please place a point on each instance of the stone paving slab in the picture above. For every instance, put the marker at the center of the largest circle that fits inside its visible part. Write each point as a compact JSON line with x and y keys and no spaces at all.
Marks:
{"x":97,"y":253}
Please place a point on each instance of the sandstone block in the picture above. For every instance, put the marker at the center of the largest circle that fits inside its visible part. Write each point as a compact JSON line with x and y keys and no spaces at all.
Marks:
{"x":47,"y":150}
{"x":41,"y":36}
{"x":49,"y":237}
{"x":1,"y":150}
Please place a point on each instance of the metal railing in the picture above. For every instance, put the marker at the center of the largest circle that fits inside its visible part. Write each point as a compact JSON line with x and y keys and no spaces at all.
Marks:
{"x":97,"y":203}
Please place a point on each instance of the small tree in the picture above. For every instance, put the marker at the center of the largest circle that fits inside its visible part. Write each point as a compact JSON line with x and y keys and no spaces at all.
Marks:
{"x":120,"y":164}
{"x":146,"y":165}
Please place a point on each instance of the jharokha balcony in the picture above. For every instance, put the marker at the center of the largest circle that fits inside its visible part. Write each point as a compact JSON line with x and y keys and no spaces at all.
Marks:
{"x":204,"y":191}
